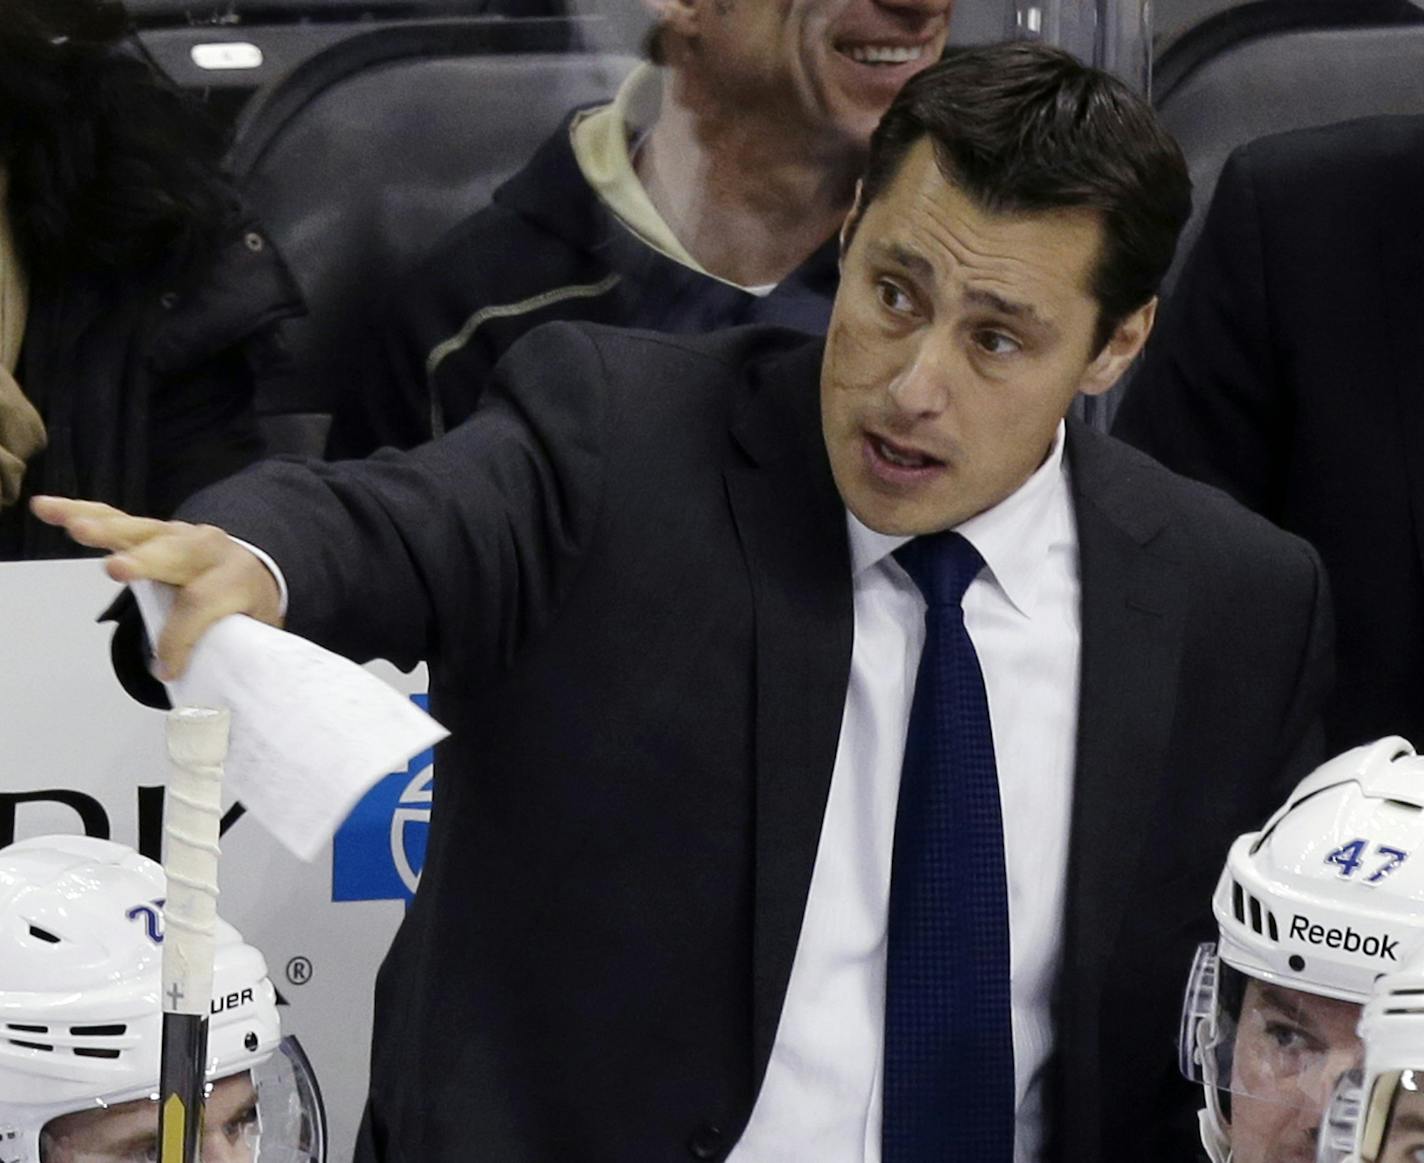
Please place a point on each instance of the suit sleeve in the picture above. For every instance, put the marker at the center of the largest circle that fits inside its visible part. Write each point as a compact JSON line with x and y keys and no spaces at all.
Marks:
{"x":1302,"y":739}
{"x":1209,"y":400}
{"x":456,"y":552}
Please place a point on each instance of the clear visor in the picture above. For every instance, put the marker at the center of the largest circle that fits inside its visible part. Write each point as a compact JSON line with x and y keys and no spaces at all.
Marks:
{"x":1198,"y":1013}
{"x":1385,"y":1126}
{"x":1271,"y":1055}
{"x":271,"y":1113}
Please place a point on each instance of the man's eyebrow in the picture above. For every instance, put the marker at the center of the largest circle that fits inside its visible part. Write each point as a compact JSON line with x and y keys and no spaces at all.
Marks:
{"x":1288,"y":1006}
{"x":903,"y":256}
{"x":133,"y":1141}
{"x":921,"y":267}
{"x":1004,"y":306}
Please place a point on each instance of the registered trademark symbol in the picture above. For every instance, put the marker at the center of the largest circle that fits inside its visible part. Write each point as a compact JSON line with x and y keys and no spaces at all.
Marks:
{"x":299,"y":971}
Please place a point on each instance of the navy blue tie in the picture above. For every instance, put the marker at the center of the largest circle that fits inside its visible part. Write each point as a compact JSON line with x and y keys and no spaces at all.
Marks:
{"x":949,"y":1053}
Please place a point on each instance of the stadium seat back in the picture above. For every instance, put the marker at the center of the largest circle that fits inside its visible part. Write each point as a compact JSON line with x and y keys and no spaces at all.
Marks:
{"x":1270,"y":67}
{"x":1280,"y":65}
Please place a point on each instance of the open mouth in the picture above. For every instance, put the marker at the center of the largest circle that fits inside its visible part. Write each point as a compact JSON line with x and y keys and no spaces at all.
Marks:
{"x":900,"y":456}
{"x":885,"y":55}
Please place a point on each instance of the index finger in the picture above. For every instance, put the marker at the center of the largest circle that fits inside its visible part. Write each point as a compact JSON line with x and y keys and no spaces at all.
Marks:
{"x":95,"y":524}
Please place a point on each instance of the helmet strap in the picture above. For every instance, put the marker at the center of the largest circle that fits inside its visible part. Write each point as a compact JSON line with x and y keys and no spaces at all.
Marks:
{"x":1214,"y":1135}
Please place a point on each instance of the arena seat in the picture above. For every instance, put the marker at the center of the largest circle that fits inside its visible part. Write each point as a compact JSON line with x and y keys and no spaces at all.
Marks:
{"x":1284,"y":64}
{"x":1269,"y":67}
{"x":360,"y":159}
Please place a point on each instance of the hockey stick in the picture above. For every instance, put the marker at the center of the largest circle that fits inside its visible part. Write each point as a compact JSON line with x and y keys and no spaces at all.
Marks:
{"x":197,"y":747}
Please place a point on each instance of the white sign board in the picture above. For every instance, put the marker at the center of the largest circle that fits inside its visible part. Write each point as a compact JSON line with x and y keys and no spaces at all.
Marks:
{"x":77,"y":754}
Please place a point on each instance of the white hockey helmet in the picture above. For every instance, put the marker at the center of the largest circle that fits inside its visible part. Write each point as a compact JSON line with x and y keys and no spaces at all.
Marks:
{"x":81,"y":931}
{"x":1324,"y":899}
{"x":1377,"y":1113}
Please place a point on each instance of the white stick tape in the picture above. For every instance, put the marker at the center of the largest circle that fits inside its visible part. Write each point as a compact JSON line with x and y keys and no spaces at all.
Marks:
{"x":197,"y":747}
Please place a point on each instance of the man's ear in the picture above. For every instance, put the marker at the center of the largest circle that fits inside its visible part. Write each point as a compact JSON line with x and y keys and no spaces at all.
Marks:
{"x":1121,"y":349}
{"x":852,"y":220}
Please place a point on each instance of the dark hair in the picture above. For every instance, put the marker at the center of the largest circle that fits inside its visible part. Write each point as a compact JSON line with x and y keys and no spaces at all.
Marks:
{"x":109,"y":164}
{"x":1022,"y":128}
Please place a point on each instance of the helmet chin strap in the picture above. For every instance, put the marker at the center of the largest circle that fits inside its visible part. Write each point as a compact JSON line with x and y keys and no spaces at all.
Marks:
{"x":1218,"y":1150}
{"x":1210,"y":1121}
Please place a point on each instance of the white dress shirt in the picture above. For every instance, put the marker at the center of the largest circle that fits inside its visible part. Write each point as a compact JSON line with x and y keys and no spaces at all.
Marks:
{"x":821,"y":1096}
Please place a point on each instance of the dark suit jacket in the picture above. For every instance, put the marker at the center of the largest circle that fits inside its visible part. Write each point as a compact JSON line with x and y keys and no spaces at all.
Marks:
{"x":630,"y":575}
{"x":1288,"y":368}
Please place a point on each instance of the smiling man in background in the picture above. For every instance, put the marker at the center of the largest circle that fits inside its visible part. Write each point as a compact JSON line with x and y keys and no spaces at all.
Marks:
{"x":707,"y":194}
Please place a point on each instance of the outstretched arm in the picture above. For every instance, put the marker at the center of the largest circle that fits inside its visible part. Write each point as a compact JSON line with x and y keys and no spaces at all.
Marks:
{"x":215,"y":575}
{"x":455,"y":552}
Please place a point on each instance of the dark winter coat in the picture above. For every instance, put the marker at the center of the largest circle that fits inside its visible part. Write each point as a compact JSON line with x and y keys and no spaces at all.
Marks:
{"x":145,"y":379}
{"x":545,"y":249}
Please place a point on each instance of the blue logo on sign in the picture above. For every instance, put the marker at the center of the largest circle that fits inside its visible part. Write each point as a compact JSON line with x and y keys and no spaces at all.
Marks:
{"x":379,"y":851}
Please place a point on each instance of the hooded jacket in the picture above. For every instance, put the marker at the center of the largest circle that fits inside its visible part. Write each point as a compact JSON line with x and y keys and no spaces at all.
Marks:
{"x":545,"y":249}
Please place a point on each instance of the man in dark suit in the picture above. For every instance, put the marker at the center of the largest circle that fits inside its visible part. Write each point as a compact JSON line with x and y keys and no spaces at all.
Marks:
{"x":663,"y":912}
{"x":1289,"y":371}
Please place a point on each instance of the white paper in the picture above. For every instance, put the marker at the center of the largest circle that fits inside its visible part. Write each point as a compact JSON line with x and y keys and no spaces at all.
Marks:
{"x":312,"y":732}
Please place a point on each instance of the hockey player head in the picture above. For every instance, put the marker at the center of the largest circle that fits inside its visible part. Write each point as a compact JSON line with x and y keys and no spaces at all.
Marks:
{"x":80,"y":948}
{"x":1328,"y":896}
{"x":1377,"y":1115}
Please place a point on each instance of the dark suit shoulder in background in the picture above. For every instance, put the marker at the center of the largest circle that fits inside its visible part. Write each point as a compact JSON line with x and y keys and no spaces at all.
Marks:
{"x":1286,"y":369}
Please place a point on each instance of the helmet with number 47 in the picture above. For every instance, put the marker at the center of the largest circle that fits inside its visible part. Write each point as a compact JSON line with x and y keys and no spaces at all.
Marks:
{"x":1310,"y":910}
{"x":81,"y":931}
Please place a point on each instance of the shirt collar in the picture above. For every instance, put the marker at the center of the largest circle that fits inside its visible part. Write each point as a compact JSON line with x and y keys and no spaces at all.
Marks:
{"x":1014,"y":537}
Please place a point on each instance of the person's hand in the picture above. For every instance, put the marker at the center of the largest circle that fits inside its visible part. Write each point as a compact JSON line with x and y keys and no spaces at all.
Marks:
{"x":215,"y":575}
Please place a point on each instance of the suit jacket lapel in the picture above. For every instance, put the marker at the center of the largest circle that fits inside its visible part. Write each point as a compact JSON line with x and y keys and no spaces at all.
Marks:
{"x":1133,"y":603}
{"x":792,"y":528}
